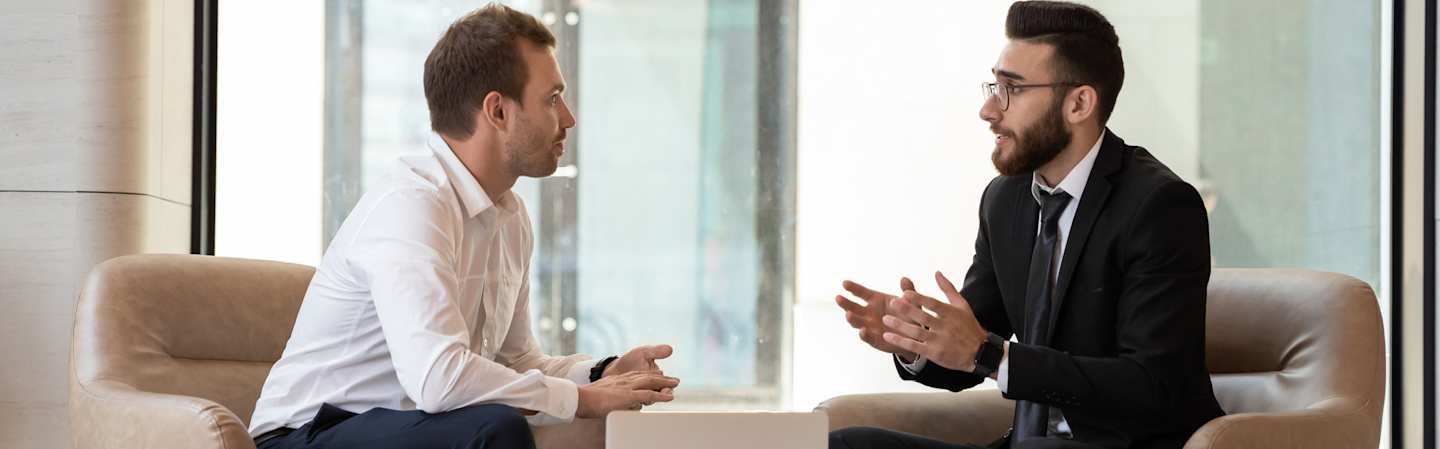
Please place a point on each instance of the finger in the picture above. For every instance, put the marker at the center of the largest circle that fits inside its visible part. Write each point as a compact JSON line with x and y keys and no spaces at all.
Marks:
{"x":873,"y":338}
{"x":654,"y":382}
{"x":651,"y":397}
{"x":910,"y":312}
{"x":906,"y":285}
{"x":644,"y":398}
{"x":903,"y":328}
{"x":849,"y":306}
{"x":935,"y":305}
{"x":906,"y":343}
{"x":956,"y":299}
{"x":864,"y":336}
{"x":864,"y":293}
{"x":654,"y":352}
{"x":856,"y":321}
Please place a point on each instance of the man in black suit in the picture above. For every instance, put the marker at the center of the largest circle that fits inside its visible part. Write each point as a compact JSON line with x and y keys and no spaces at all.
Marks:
{"x":1090,"y":251}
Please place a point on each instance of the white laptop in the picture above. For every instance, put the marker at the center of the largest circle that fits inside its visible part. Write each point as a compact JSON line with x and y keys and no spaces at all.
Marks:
{"x":717,"y":430}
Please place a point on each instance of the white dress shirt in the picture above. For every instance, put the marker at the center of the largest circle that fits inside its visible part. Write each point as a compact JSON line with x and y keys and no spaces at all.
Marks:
{"x":1074,"y":185}
{"x":421,"y":302}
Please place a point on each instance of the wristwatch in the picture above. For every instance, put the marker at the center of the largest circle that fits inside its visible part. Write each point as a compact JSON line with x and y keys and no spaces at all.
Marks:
{"x":987,"y":359}
{"x":599,"y":368}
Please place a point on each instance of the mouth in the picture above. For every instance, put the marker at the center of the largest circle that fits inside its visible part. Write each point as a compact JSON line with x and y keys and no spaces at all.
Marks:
{"x":1002,"y":137}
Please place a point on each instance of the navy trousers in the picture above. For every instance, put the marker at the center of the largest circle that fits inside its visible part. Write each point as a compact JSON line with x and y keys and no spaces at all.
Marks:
{"x":488,"y":426}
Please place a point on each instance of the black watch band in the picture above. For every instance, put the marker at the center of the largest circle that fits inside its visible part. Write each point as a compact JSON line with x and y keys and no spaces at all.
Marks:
{"x":599,"y":368}
{"x":987,"y":359}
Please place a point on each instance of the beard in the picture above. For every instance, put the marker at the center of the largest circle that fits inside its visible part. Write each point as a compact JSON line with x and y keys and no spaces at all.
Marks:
{"x":1034,"y":146}
{"x":531,"y":153}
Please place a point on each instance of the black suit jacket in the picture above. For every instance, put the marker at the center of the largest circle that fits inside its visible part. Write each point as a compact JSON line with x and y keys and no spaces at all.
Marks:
{"x":1126,"y":359}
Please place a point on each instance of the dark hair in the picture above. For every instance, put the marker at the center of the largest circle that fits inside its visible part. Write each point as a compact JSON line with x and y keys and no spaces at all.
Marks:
{"x":479,"y":54}
{"x":1087,"y":51}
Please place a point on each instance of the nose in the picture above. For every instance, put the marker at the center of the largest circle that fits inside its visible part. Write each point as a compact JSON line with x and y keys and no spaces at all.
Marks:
{"x":567,"y":118}
{"x":990,"y":110}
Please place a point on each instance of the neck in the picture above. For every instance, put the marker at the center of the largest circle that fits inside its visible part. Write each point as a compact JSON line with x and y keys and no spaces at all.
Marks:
{"x":1081,"y":141}
{"x":482,"y":158}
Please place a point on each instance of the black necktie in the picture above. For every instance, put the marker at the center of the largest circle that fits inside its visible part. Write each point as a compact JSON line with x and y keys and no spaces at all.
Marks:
{"x":1033,"y":419}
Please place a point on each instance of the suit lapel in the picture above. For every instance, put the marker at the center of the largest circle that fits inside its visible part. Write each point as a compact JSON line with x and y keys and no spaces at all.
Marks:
{"x":1092,"y":201}
{"x":1026,"y":219}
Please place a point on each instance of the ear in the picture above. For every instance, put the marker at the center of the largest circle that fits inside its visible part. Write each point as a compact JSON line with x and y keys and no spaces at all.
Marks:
{"x":1081,"y":104}
{"x":493,"y":112}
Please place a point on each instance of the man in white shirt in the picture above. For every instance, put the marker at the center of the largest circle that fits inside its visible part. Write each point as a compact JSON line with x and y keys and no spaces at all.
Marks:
{"x":415,"y":330}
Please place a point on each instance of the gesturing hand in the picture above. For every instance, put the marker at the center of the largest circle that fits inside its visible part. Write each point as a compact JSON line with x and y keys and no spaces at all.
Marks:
{"x":947,"y":334}
{"x":867,"y":318}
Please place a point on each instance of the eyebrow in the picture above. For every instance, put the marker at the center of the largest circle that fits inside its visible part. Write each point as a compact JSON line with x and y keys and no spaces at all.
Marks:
{"x":1008,"y":74}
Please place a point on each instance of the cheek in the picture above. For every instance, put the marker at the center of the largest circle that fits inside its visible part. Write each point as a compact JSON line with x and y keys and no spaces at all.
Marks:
{"x":1020,"y":123}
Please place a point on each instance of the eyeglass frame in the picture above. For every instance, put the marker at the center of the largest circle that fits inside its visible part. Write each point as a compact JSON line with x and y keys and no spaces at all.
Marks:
{"x":989,"y":89}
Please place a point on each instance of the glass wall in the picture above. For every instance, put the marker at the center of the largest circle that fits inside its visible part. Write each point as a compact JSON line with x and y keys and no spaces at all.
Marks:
{"x":735,"y":160}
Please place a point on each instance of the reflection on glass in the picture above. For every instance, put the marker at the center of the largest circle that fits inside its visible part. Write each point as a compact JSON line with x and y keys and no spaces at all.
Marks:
{"x":673,"y":220}
{"x":654,"y":229}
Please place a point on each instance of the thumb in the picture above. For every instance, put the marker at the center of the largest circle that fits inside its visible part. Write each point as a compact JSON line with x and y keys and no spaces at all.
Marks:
{"x":658,"y":352}
{"x":906,"y":285}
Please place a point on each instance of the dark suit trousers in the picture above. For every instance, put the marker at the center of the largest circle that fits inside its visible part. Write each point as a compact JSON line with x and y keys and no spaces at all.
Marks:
{"x":488,"y":426}
{"x":876,"y":438}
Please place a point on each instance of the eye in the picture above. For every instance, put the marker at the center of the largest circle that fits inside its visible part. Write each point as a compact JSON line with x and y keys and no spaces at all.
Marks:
{"x":1011,"y":89}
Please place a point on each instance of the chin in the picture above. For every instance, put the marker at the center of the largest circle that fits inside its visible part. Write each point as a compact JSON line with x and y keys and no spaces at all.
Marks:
{"x":545,"y":170}
{"x":1005,"y":164}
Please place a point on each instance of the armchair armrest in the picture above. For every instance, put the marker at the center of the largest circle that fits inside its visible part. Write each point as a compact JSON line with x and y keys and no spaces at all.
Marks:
{"x":968,"y":417}
{"x":108,"y":414}
{"x":1327,"y":425}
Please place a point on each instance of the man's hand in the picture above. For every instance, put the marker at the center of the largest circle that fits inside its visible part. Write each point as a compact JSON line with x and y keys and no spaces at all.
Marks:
{"x":868,"y":318}
{"x":949,"y":337}
{"x":640,"y":359}
{"x":627,"y":391}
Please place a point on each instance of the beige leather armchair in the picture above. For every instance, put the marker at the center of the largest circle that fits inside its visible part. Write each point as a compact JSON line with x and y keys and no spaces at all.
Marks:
{"x":1297,"y":359}
{"x":170,"y":351}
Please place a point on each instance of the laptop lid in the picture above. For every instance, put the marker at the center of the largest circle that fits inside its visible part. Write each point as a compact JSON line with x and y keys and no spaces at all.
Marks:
{"x":717,"y":430}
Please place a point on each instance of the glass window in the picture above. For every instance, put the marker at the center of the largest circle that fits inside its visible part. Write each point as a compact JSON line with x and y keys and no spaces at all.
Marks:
{"x":735,"y":160}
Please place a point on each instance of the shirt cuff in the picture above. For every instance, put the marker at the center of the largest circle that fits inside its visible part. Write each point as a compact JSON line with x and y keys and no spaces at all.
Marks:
{"x":563,"y":400}
{"x":1002,"y":375}
{"x":913,"y":367}
{"x":580,"y":371}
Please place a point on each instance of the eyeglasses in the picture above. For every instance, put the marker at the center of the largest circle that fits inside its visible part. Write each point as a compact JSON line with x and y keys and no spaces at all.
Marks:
{"x":1002,"y":92}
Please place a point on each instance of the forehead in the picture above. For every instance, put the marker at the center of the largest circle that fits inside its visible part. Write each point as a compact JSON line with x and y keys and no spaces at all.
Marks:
{"x":1024,"y":61}
{"x":541,"y":63}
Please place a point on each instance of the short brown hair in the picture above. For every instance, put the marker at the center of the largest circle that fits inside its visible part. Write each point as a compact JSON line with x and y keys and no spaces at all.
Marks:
{"x":1087,"y":51}
{"x":479,"y":54}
